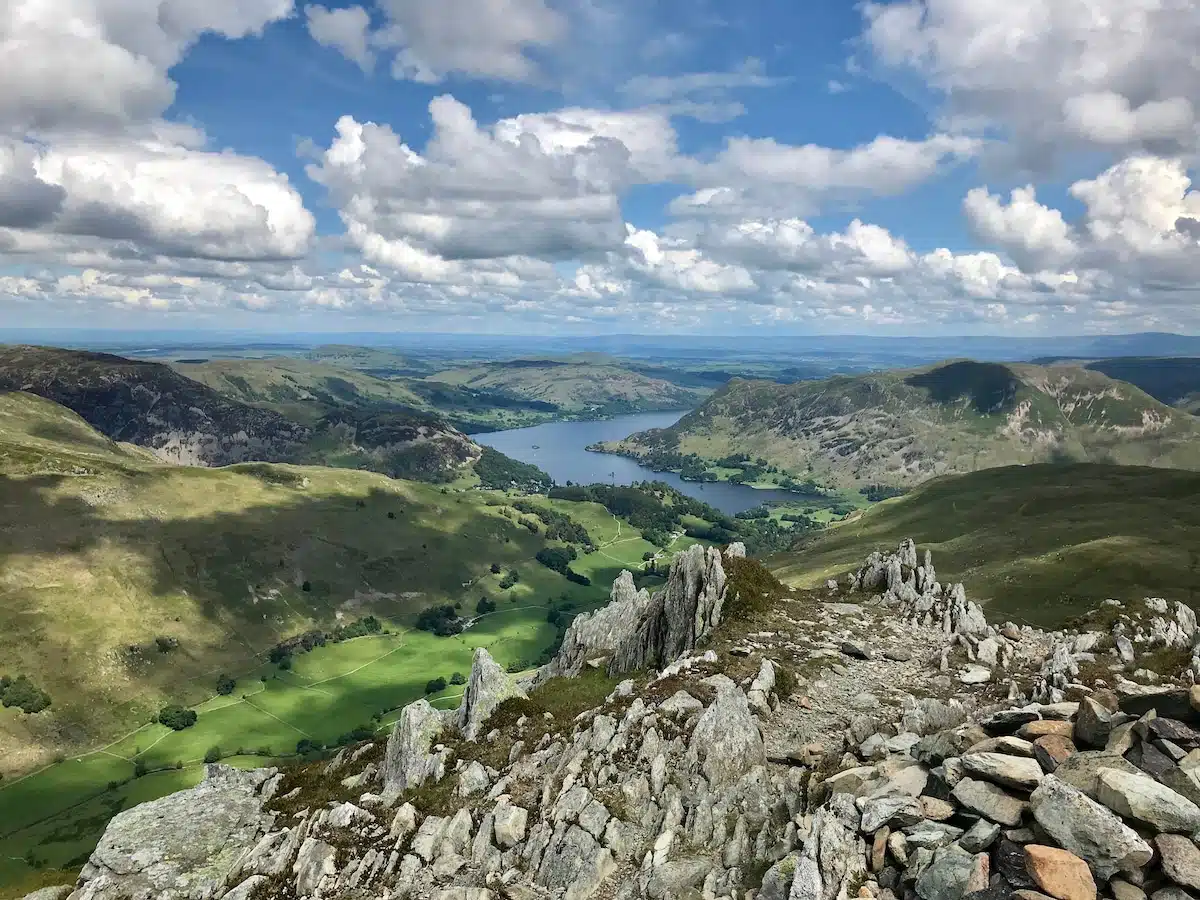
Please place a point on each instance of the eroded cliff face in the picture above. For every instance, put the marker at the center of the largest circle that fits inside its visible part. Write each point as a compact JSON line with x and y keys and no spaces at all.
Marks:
{"x":877,"y":738}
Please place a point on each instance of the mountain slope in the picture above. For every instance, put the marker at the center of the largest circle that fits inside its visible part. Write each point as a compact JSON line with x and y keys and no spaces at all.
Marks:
{"x":1174,"y":381}
{"x":575,"y":386}
{"x":151,"y":405}
{"x":903,"y":427}
{"x":307,"y":389}
{"x":182,"y":420}
{"x":1036,"y":543}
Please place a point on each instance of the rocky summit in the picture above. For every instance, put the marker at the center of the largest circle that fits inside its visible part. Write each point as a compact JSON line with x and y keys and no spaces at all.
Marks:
{"x":728,"y":737}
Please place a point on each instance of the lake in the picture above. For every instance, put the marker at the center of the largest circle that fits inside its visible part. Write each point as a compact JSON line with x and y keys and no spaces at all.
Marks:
{"x":558,"y":448}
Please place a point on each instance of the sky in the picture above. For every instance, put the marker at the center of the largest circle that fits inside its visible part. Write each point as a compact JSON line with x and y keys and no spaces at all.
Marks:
{"x":715,"y":167}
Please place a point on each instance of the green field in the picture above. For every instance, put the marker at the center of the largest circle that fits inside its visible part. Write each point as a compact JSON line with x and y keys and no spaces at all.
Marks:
{"x":1036,"y":544}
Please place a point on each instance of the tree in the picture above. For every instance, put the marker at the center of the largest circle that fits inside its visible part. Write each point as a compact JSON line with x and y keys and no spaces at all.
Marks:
{"x":177,"y":717}
{"x":23,"y":693}
{"x":458,"y":678}
{"x":485,"y":606}
{"x":306,"y":587}
{"x":285,"y":663}
{"x":495,"y":568}
{"x":139,"y":768}
{"x":166,"y":644}
{"x":213,"y":755}
{"x":434,"y":685}
{"x":226,"y":684}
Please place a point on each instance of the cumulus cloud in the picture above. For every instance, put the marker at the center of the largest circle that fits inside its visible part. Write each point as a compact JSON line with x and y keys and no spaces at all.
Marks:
{"x":752,"y":176}
{"x":427,"y":40}
{"x":1119,"y":75}
{"x":1137,"y":225}
{"x":154,"y":197}
{"x":347,"y":30}
{"x":103,"y":64}
{"x":544,"y":186}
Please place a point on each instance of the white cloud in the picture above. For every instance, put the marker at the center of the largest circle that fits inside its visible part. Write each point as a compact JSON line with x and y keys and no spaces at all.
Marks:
{"x":707,"y":96}
{"x":427,"y":40}
{"x":91,"y":64}
{"x":544,"y":186}
{"x":1035,"y":236}
{"x":154,"y":197}
{"x":347,"y":30}
{"x":1118,"y":75}
{"x":759,"y":176}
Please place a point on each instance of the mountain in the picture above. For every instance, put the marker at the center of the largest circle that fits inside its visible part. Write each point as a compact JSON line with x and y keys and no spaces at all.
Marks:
{"x":900,"y":428}
{"x":583,"y":386}
{"x":1038,"y":543}
{"x":1174,"y":381}
{"x":183,"y":420}
{"x":726,"y":737}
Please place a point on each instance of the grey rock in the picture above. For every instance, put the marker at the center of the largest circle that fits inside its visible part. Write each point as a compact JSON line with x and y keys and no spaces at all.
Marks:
{"x":1180,"y":860}
{"x":990,"y":801}
{"x":315,"y":861}
{"x":979,"y":836}
{"x":948,"y":876}
{"x":1000,"y":768}
{"x":726,"y":742}
{"x":473,"y":779}
{"x":509,"y":823}
{"x":487,"y":687}
{"x":591,"y":635}
{"x":51,"y":893}
{"x":777,"y":883}
{"x":1143,"y":799}
{"x":1093,"y":724}
{"x":833,"y":856}
{"x":1079,"y":770}
{"x":896,"y":810}
{"x":409,"y":762}
{"x":1087,"y":829}
{"x":186,"y":846}
{"x":677,"y":617}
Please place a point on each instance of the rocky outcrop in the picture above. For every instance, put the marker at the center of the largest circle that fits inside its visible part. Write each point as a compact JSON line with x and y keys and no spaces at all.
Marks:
{"x":487,"y":687}
{"x":883,"y":773}
{"x":187,"y":846}
{"x":639,"y":631}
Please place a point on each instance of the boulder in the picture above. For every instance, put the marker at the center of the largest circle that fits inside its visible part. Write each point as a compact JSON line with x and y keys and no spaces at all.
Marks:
{"x":1059,"y":873}
{"x":185,"y":845}
{"x":949,"y":876}
{"x":58,"y":892}
{"x":990,"y":801}
{"x":726,"y":742}
{"x":487,"y":687}
{"x":1180,"y":860}
{"x":598,"y":634}
{"x":1093,"y":724}
{"x":1090,"y":831}
{"x":1144,"y":800}
{"x":1052,"y":750}
{"x":1079,"y":769}
{"x":1000,"y":768}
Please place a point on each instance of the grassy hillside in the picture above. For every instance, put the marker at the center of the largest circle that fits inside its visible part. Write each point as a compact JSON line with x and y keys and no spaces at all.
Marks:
{"x":1036,"y":543}
{"x":340,"y":379}
{"x":576,"y":386}
{"x":1174,"y":381}
{"x":903,"y":427}
{"x":129,"y":584}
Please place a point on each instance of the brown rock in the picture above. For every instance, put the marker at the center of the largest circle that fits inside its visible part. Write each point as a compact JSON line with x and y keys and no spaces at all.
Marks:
{"x":1026,"y":894}
{"x":879,"y":849}
{"x":1123,"y":890}
{"x":1059,"y":873}
{"x":937,"y":810}
{"x":1108,"y":699}
{"x":1194,"y":697}
{"x":1052,"y":750}
{"x":1031,"y":731}
{"x":980,"y":873}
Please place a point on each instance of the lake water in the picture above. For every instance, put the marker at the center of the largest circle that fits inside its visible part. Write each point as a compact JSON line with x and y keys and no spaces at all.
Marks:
{"x":558,"y":449}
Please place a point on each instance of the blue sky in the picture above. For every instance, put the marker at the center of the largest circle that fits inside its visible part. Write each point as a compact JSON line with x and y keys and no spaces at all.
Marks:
{"x":584,"y":166}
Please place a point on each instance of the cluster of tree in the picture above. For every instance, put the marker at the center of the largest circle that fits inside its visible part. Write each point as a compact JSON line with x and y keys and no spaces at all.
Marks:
{"x":23,"y":693}
{"x":177,"y":717}
{"x":434,"y":685}
{"x":485,"y":606}
{"x":758,"y":512}
{"x":226,"y":684}
{"x":509,"y":579}
{"x":877,"y":492}
{"x":440,"y":620}
{"x":560,"y":615}
{"x":281,"y":654}
{"x":499,"y":472}
{"x":559,"y":526}
{"x":559,"y":559}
